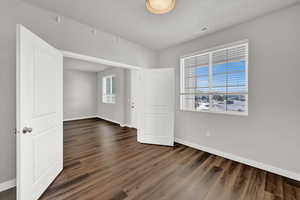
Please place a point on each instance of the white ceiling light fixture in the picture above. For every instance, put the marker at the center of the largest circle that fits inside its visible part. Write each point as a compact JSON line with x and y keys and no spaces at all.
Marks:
{"x":160,"y":6}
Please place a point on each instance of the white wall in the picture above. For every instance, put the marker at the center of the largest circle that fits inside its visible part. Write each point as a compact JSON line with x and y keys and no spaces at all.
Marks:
{"x":271,"y":132}
{"x":80,"y":94}
{"x":117,"y":112}
{"x":69,"y":35}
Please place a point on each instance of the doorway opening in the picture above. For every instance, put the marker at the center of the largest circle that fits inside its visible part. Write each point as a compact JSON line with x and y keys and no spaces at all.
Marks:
{"x":95,"y":87}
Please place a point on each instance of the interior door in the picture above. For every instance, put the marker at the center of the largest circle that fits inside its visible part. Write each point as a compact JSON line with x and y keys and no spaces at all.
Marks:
{"x":39,"y":114}
{"x":156,"y":106}
{"x":134,"y":98}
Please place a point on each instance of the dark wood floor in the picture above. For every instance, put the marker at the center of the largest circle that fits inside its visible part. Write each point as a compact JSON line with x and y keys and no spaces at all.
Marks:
{"x":103,"y":161}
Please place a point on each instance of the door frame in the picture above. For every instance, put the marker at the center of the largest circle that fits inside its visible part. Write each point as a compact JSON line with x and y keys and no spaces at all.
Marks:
{"x":98,"y":60}
{"x":69,"y":54}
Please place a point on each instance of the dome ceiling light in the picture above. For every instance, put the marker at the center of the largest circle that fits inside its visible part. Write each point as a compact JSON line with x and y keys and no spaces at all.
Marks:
{"x":160,"y":6}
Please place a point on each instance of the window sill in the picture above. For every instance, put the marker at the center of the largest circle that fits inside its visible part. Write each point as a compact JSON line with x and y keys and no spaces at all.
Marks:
{"x":244,"y":114}
{"x":109,"y":103}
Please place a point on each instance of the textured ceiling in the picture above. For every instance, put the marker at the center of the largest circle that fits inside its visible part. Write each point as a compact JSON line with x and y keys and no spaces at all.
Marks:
{"x":130,"y":20}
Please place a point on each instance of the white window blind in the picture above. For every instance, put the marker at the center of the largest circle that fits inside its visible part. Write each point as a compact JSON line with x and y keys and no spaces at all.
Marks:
{"x":108,"y":89}
{"x":216,"y":81}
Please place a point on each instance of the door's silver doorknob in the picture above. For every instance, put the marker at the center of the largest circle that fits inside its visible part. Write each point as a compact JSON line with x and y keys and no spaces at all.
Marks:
{"x":27,"y":130}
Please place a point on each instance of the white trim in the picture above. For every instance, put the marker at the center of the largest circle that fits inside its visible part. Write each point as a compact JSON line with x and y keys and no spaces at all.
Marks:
{"x":99,"y":117}
{"x":253,"y":163}
{"x":127,"y":125}
{"x":7,"y":185}
{"x":79,"y":118}
{"x":116,"y":122}
{"x":243,"y":114}
{"x":69,"y":54}
{"x":220,"y":47}
{"x":110,"y":120}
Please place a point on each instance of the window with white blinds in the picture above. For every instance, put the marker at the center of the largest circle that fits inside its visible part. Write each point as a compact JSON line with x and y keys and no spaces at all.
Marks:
{"x":108,"y":89}
{"x":216,"y":81}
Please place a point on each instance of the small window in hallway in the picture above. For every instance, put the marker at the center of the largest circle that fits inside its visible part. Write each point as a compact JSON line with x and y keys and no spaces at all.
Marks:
{"x":109,"y":89}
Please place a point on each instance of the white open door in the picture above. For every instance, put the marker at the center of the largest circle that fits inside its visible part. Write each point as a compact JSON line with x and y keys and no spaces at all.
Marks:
{"x":39,"y":114}
{"x":156,"y":106}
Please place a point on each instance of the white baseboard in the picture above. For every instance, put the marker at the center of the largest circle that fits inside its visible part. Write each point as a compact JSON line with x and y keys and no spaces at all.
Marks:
{"x":259,"y":165}
{"x":7,"y":185}
{"x":116,"y":122}
{"x":127,"y":125}
{"x":110,"y":120}
{"x":79,"y":118}
{"x":100,"y":117}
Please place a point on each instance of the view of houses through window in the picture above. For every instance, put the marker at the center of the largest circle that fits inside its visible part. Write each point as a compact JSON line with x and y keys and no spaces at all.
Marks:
{"x":216,"y":81}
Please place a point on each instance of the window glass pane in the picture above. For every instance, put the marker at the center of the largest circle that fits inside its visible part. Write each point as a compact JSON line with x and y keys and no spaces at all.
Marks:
{"x":237,"y":89}
{"x":190,"y":84}
{"x":231,"y":103}
{"x":236,"y":103}
{"x":103,"y":86}
{"x":190,"y":72}
{"x":113,"y":98}
{"x":202,"y":90}
{"x":228,"y":74}
{"x":219,"y":80}
{"x":113,"y":82}
{"x":219,"y":90}
{"x":104,"y":99}
{"x":195,"y":102}
{"x":236,"y":54}
{"x":231,"y":82}
{"x":188,"y":102}
{"x":202,"y":103}
{"x":202,"y":71}
{"x":236,"y":66}
{"x":108,"y":86}
{"x":218,"y":103}
{"x":236,"y":79}
{"x":202,"y":77}
{"x":196,"y":73}
{"x":228,"y":71}
{"x":219,"y":68}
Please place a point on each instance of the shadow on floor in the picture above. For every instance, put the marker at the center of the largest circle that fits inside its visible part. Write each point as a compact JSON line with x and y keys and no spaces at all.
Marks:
{"x":8,"y":194}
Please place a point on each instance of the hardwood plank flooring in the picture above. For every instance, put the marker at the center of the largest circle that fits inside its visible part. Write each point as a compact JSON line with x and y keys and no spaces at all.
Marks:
{"x":103,"y":161}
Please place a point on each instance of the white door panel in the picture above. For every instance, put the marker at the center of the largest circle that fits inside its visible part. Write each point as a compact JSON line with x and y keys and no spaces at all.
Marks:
{"x":39,"y":106}
{"x":156,"y":106}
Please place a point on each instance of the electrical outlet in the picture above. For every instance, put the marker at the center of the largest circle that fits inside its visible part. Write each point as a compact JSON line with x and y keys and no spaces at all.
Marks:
{"x":207,"y":133}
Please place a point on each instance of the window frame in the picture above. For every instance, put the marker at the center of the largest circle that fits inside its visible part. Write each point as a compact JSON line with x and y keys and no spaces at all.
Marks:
{"x":210,"y":53}
{"x":112,"y":96}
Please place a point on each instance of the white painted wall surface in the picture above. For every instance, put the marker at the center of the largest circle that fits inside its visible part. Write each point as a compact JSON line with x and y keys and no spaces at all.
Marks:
{"x":271,"y":133}
{"x":80,"y":94}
